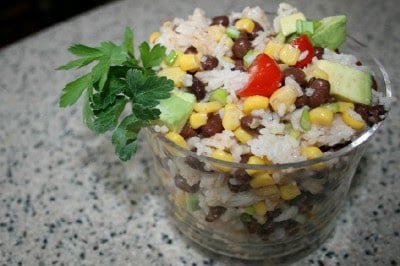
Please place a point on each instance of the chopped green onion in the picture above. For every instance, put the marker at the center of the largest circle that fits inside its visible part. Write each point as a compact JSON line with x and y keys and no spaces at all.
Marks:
{"x":305,"y":120}
{"x":171,"y":58}
{"x":250,"y":210}
{"x":334,"y":107}
{"x":192,"y":202}
{"x":220,"y":95}
{"x":246,"y":218}
{"x":249,"y":57}
{"x":294,"y":133}
{"x":232,"y":33}
{"x":304,"y":26}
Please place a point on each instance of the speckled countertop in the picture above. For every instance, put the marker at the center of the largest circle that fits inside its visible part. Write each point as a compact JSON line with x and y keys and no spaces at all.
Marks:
{"x":65,"y":199}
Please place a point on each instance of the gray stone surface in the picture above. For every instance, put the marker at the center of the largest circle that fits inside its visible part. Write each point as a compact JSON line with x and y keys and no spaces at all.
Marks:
{"x":65,"y":199}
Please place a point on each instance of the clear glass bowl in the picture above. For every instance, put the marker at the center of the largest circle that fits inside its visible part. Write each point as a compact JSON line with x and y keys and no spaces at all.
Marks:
{"x":211,"y":207}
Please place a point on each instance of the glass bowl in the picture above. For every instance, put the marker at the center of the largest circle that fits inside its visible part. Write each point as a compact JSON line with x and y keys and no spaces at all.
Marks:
{"x":282,"y":222}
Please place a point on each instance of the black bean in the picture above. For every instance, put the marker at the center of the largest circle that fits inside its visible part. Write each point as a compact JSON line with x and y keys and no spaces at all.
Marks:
{"x":250,"y":123}
{"x":220,"y":20}
{"x":241,"y":176}
{"x":191,"y":50}
{"x":301,"y":101}
{"x":319,"y":52}
{"x":239,"y":65}
{"x":214,"y":213}
{"x":374,"y":84}
{"x":198,"y":89}
{"x":244,"y":158}
{"x":187,"y":131}
{"x":240,"y":47}
{"x":295,"y":73}
{"x":181,"y":183}
{"x":194,"y":163}
{"x":209,"y":62}
{"x":370,"y":114}
{"x":213,"y":126}
{"x":321,"y":92}
{"x":238,"y":188}
{"x":257,"y":28}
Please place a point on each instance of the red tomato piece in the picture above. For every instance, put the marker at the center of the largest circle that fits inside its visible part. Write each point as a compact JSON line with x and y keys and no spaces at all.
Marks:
{"x":265,"y":77}
{"x":304,"y":44}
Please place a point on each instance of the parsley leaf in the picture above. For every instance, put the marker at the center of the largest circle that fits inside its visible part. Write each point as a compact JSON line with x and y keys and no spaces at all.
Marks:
{"x":116,"y":79}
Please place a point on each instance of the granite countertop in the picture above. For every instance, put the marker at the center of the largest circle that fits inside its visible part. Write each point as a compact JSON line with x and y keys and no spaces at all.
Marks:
{"x":65,"y":199}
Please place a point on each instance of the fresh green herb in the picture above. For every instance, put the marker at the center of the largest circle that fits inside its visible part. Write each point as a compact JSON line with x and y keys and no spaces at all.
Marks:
{"x":117,"y":79}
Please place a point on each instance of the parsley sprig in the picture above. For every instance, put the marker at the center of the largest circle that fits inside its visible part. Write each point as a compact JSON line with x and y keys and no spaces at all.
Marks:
{"x":117,"y":79}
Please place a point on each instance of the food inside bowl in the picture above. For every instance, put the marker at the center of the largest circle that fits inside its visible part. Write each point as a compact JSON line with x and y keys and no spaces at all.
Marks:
{"x":242,"y":89}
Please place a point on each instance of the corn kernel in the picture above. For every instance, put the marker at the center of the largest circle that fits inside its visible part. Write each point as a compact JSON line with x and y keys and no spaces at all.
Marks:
{"x":289,"y":191}
{"x":189,"y":62}
{"x":273,"y":48}
{"x":216,"y":32}
{"x":177,"y":139}
{"x":245,"y":24}
{"x":254,"y":160}
{"x":315,"y":72}
{"x":271,"y":191}
{"x":207,"y":107}
{"x":228,"y":59}
{"x":311,"y":152}
{"x":154,"y":36}
{"x":262,"y":179}
{"x":175,"y":74}
{"x":344,"y":106}
{"x":260,"y":208}
{"x":197,"y":120}
{"x":353,"y":120}
{"x":223,"y":156}
{"x":226,"y":43}
{"x":255,"y":102}
{"x":282,"y":99}
{"x":231,"y":119}
{"x":289,"y":54}
{"x":321,"y":116}
{"x":242,"y":135}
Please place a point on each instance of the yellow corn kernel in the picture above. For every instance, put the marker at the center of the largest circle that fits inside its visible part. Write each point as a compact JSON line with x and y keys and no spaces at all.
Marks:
{"x":223,"y":156}
{"x":261,"y":179}
{"x":154,"y":36}
{"x":311,"y":152}
{"x":289,"y":54}
{"x":255,"y":102}
{"x":260,"y":208}
{"x":175,"y":74}
{"x":208,"y":107}
{"x":315,"y":72}
{"x":231,"y":119}
{"x":289,"y":191}
{"x":228,"y":59}
{"x":254,"y":160}
{"x":227,"y":43}
{"x":271,"y":191}
{"x":216,"y":32}
{"x":197,"y":120}
{"x":242,"y":135}
{"x":353,"y":120}
{"x":282,"y":99}
{"x":273,"y":48}
{"x":344,"y":106}
{"x":177,"y":139}
{"x":189,"y":62}
{"x":245,"y":24}
{"x":321,"y":116}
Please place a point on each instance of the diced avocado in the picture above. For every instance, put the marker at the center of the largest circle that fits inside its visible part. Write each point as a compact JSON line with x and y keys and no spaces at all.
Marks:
{"x":176,"y":110}
{"x":347,"y":83}
{"x":192,"y":202}
{"x":288,"y":23}
{"x":219,"y":95}
{"x":331,"y":33}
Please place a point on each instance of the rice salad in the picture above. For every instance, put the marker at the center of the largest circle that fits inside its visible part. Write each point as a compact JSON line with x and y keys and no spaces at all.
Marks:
{"x":261,"y":92}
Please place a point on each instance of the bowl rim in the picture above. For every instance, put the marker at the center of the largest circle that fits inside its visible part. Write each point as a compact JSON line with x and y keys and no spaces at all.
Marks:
{"x":357,"y":142}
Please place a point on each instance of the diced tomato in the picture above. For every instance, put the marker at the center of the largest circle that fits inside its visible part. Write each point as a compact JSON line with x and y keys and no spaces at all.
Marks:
{"x":304,"y":44}
{"x":265,"y":77}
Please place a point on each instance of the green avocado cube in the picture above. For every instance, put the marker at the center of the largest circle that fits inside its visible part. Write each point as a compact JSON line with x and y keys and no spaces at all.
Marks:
{"x":347,"y":83}
{"x":331,"y":32}
{"x":176,"y":110}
